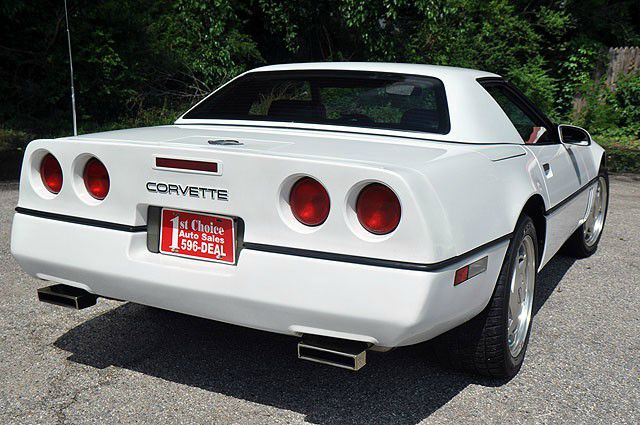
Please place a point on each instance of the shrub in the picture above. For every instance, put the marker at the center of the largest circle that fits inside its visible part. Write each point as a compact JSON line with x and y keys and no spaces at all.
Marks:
{"x":12,"y":144}
{"x":623,"y":148}
{"x":612,"y":114}
{"x":626,"y":100}
{"x":13,"y":140}
{"x":610,"y":108}
{"x":621,"y":157}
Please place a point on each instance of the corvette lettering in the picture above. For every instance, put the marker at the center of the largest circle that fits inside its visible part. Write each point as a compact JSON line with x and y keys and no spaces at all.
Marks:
{"x":192,"y":191}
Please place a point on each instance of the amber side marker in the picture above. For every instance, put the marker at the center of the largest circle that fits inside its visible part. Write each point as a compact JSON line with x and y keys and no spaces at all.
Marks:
{"x":470,"y":270}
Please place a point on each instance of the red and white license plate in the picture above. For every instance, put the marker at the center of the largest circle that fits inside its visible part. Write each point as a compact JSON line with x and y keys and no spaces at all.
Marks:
{"x":195,"y":235}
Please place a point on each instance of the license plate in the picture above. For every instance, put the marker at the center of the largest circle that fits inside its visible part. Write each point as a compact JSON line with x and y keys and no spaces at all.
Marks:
{"x":206,"y":237}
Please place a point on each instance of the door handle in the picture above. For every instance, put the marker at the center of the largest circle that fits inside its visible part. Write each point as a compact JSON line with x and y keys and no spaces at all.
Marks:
{"x":547,"y":170}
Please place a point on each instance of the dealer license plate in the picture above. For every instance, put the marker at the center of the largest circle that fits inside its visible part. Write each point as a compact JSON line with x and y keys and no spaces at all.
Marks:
{"x":206,"y":237}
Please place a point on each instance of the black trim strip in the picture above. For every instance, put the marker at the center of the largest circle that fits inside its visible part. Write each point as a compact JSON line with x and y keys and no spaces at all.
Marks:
{"x":509,"y":157}
{"x":570,"y":197}
{"x":81,"y":220}
{"x":404,"y":265}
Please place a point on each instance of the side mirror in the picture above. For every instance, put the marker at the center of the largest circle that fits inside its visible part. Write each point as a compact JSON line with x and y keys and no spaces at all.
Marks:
{"x":573,"y":135}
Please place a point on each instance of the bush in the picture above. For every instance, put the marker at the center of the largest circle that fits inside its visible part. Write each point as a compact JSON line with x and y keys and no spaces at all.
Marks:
{"x":144,"y":118}
{"x":12,"y":144}
{"x":609,"y":108}
{"x":13,"y":140}
{"x":623,"y":149}
{"x":612,"y":114}
{"x":621,"y":158}
{"x":627,"y":101}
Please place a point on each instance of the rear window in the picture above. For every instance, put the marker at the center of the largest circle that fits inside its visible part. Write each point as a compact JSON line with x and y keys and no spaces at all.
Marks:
{"x":346,"y":98}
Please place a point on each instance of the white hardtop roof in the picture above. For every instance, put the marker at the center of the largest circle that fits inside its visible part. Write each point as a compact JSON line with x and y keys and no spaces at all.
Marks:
{"x":474,"y":115}
{"x":441,"y":72}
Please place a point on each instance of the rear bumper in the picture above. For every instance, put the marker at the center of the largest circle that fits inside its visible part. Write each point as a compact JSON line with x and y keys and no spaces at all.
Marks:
{"x":270,"y":291}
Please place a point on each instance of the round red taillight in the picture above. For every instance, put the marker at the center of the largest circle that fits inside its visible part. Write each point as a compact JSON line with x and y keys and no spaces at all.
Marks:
{"x":309,"y":202}
{"x":378,"y":209}
{"x":96,"y":179}
{"x":51,"y":173}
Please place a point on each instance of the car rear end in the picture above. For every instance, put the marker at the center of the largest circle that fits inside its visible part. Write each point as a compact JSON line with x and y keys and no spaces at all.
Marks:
{"x":334,"y":278}
{"x":272,"y":206}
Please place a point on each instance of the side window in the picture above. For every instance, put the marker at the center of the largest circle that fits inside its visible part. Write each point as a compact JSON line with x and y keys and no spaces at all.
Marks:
{"x":530,"y":129}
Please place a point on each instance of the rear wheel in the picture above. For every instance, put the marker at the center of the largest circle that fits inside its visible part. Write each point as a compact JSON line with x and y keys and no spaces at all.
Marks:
{"x":494,"y":342}
{"x":584,"y":241}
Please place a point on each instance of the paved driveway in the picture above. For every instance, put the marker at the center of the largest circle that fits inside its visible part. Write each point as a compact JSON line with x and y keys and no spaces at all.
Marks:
{"x":121,"y":362}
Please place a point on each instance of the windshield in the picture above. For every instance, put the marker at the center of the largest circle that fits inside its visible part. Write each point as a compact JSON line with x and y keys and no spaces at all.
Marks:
{"x":346,"y":98}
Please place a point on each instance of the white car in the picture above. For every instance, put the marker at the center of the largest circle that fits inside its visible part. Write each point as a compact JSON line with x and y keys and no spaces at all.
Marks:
{"x":354,"y":205}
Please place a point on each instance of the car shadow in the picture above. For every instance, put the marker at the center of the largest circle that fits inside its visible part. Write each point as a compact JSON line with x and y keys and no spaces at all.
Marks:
{"x":400,"y":386}
{"x":549,"y":278}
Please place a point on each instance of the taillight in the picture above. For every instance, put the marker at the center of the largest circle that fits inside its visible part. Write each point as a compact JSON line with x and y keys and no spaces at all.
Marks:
{"x":309,"y":202}
{"x":51,"y":173}
{"x":96,"y":179}
{"x":378,"y":209}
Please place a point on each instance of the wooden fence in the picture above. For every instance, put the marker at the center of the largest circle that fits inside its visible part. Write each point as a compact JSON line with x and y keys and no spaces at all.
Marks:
{"x":622,"y":60}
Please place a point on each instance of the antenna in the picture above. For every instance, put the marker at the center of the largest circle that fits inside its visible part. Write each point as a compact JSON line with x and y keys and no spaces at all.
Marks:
{"x":73,"y":91}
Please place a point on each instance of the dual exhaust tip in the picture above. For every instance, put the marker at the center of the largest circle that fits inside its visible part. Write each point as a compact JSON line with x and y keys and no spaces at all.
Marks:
{"x":342,"y":353}
{"x":67,"y":296}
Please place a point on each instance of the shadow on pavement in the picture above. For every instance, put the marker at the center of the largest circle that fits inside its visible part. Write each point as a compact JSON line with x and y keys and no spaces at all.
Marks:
{"x":400,"y":386}
{"x":549,"y":278}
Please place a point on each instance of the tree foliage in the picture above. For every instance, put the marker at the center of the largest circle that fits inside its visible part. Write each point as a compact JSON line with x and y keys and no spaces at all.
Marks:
{"x":141,"y":61}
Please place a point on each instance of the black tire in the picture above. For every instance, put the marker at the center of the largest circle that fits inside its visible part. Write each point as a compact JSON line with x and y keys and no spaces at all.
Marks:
{"x":576,"y":245}
{"x":480,"y":345}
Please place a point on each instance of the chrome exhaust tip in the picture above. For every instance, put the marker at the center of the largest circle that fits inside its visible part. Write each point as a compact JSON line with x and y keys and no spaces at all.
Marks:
{"x":336,"y":352}
{"x":67,"y":296}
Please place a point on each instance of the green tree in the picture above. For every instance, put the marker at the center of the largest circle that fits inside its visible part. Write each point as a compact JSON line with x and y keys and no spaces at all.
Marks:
{"x":207,"y":39}
{"x":140,"y":62}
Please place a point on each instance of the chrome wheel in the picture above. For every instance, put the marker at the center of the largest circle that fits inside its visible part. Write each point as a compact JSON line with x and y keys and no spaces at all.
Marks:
{"x":523,"y":280}
{"x":595,"y":219}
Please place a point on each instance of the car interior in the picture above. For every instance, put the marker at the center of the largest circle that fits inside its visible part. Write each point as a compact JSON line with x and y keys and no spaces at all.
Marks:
{"x":418,"y":119}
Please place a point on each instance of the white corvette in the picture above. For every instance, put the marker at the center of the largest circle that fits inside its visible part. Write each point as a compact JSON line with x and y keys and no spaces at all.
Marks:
{"x":354,"y":205}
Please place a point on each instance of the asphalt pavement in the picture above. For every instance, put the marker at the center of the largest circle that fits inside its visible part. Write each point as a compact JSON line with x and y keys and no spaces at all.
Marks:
{"x":126,"y":363}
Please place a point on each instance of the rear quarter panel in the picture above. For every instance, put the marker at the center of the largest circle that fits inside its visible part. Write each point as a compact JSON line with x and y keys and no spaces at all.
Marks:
{"x":482,"y":194}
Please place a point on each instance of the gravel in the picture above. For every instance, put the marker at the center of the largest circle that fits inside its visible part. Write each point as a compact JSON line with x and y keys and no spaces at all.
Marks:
{"x":126,"y":363}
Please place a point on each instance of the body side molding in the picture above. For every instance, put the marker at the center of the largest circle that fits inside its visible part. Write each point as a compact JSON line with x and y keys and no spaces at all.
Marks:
{"x":569,"y":198}
{"x":81,"y":220}
{"x":424,"y":267}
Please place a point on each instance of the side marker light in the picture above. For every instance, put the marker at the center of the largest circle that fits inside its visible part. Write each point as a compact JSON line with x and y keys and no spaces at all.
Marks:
{"x":470,"y":270}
